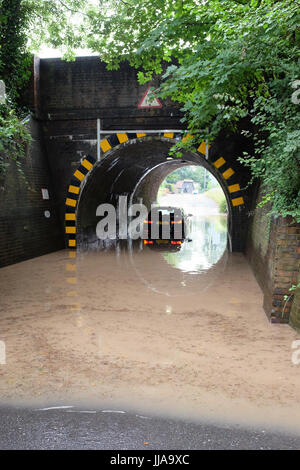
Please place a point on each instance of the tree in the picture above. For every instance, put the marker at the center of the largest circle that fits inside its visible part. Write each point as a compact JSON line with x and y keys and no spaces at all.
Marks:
{"x":195,"y":173}
{"x":232,"y":65}
{"x":24,"y":26}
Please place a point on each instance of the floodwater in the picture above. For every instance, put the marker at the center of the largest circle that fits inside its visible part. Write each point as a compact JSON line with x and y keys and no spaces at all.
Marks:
{"x":181,"y":334}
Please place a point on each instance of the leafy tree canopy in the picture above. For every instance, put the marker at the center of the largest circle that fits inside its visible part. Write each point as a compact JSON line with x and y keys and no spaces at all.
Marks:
{"x":228,"y":62}
{"x":198,"y":174}
{"x":235,"y":63}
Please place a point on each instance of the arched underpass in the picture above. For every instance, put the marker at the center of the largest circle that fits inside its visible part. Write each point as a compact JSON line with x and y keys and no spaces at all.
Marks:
{"x":135,"y":164}
{"x":82,"y":326}
{"x":136,"y":170}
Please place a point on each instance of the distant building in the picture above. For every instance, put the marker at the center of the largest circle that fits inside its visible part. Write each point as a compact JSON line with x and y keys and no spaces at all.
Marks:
{"x":186,"y":186}
{"x":177,"y":186}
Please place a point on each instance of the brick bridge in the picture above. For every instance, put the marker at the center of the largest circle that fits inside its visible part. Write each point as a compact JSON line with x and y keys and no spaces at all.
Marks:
{"x":66,"y":99}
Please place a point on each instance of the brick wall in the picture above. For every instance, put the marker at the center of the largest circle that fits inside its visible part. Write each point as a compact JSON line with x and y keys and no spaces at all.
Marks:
{"x":274,"y":254}
{"x":70,"y":96}
{"x":85,"y":89}
{"x":295,"y":310}
{"x":25,"y":232}
{"x":67,"y":97}
{"x":286,"y":240}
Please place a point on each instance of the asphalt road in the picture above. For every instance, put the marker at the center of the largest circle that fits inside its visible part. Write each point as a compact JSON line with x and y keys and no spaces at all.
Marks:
{"x":79,"y":428}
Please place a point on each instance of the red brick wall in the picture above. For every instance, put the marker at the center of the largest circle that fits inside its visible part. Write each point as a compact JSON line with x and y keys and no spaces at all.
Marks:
{"x":25,"y":232}
{"x":273,"y":250}
{"x":295,"y":310}
{"x":285,"y":273}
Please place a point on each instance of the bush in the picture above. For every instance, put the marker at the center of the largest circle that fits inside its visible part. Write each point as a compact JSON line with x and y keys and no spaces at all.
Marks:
{"x":218,"y":196}
{"x":14,"y":137}
{"x":223,"y":206}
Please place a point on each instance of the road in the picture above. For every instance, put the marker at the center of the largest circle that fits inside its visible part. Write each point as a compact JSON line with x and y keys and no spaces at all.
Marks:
{"x":82,"y":428}
{"x":179,"y":334}
{"x":197,"y":204}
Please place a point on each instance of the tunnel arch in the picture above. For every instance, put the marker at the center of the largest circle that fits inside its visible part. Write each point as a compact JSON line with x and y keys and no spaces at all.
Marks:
{"x":135,"y":164}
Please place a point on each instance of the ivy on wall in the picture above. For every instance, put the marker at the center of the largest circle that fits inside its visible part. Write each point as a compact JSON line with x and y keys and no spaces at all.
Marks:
{"x":14,"y":138}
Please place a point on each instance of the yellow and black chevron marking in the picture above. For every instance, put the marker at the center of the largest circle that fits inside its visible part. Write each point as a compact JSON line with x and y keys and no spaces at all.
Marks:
{"x":113,"y":140}
{"x":87,"y":164}
{"x":226,"y":172}
{"x":70,"y":228}
{"x":72,"y":197}
{"x":220,"y":164}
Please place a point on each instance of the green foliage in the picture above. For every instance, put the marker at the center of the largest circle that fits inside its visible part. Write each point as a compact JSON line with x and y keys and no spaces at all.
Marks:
{"x":195,"y":173}
{"x":223,"y":206}
{"x":292,"y":290}
{"x":230,"y":63}
{"x":15,"y":60}
{"x":218,"y":196}
{"x":62,"y":24}
{"x":24,"y":26}
{"x":15,"y":71}
{"x":14,"y":137}
{"x":234,"y":63}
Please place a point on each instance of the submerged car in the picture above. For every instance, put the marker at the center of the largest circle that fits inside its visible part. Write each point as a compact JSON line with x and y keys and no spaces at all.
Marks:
{"x":166,"y":227}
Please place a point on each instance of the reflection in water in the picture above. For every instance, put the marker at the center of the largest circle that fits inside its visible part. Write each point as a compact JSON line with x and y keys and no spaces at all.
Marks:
{"x":113,"y":338}
{"x":199,"y":264}
{"x":181,"y":334}
{"x":209,"y":239}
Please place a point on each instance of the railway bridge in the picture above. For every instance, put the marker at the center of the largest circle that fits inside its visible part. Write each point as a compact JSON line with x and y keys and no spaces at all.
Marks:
{"x":66,"y":179}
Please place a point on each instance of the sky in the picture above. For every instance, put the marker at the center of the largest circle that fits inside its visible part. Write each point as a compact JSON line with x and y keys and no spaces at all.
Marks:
{"x":46,"y":52}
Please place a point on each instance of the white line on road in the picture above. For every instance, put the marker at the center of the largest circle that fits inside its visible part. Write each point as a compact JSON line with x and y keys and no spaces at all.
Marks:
{"x":113,"y":411}
{"x":54,"y":408}
{"x":81,"y":411}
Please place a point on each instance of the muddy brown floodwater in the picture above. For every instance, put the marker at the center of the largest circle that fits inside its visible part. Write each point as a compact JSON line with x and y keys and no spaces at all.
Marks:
{"x":147,"y":331}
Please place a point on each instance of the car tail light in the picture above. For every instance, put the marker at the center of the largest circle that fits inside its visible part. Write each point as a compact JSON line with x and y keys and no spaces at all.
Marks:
{"x":176,"y":242}
{"x":148,"y":242}
{"x":176,"y":222}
